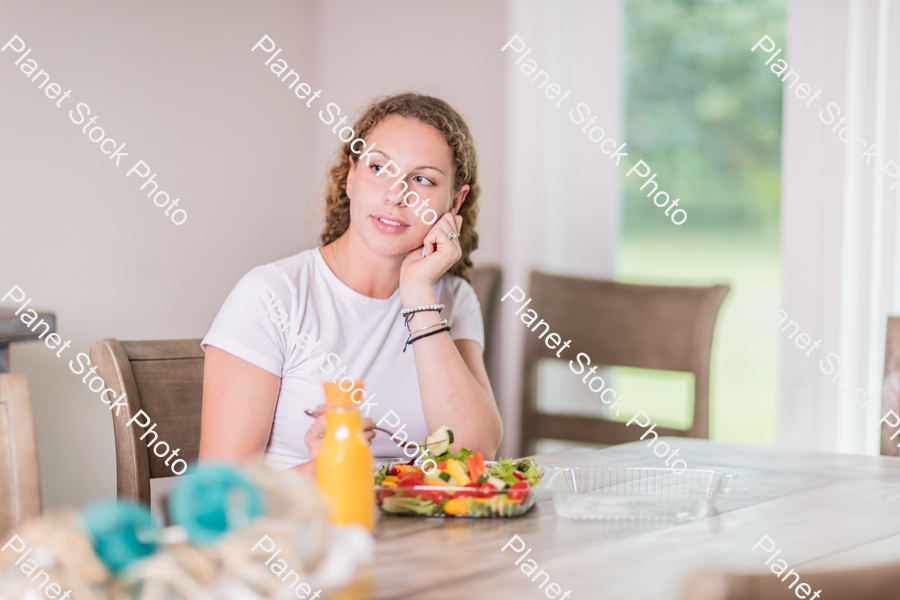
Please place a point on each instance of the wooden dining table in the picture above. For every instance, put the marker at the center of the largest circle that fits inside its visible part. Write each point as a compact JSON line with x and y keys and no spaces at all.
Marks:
{"x":825,"y":511}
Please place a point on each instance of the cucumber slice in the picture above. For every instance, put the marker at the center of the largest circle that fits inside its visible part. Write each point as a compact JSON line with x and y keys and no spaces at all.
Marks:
{"x":497,"y":482}
{"x":444,"y":475}
{"x":439,"y":442}
{"x":483,"y":479}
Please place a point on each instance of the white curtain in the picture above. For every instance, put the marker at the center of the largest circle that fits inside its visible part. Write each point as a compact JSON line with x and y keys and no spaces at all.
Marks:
{"x":839,"y":219}
{"x":561,"y":210}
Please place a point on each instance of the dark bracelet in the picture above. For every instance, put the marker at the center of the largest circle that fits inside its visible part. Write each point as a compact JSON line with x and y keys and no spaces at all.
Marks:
{"x":409,"y":342}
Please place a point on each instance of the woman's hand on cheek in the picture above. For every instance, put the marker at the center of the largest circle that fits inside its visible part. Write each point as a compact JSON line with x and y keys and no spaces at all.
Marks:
{"x":419,"y":273}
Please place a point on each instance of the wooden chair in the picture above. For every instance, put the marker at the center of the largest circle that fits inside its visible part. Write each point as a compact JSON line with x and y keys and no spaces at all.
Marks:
{"x":873,"y":583}
{"x":618,"y":324}
{"x":891,"y":389}
{"x":164,"y":378}
{"x":13,"y":329}
{"x":486,"y":282}
{"x":20,"y":476}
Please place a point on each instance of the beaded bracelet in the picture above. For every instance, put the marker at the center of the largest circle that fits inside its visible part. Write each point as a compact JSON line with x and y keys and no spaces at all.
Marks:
{"x":409,"y":342}
{"x":437,"y":307}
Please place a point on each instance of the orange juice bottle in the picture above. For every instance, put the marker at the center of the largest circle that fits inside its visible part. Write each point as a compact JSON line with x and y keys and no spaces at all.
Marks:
{"x":344,"y":463}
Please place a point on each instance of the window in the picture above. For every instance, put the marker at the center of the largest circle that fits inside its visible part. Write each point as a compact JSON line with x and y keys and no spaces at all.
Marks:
{"x":705,"y":117}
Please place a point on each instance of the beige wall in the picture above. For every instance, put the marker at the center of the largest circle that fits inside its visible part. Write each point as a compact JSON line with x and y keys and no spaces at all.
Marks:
{"x":179,"y":85}
{"x":449,"y":50}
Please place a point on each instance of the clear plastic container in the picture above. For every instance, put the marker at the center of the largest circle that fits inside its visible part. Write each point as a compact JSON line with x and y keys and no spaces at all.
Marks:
{"x":634,"y":493}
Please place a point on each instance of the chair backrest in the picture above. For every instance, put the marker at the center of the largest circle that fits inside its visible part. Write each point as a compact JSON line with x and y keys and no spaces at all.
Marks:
{"x":891,"y":389}
{"x":20,"y":476}
{"x":164,"y":378}
{"x":486,"y":283}
{"x":873,"y":583}
{"x":618,"y":324}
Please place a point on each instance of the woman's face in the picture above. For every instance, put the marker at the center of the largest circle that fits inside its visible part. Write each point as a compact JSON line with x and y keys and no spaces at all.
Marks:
{"x":378,"y":213}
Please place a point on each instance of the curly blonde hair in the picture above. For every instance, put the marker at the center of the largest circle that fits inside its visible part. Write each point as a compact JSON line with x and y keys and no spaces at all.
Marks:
{"x":430,"y":111}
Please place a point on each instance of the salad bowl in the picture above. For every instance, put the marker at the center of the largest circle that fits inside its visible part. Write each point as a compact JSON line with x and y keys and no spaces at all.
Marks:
{"x":462,"y":486}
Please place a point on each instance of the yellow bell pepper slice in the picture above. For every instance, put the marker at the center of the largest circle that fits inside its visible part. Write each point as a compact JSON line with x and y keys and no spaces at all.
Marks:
{"x":458,"y":472}
{"x":457,"y":506}
{"x":433,"y":479}
{"x":404,"y":469}
{"x":390,"y":484}
{"x":501,"y":503}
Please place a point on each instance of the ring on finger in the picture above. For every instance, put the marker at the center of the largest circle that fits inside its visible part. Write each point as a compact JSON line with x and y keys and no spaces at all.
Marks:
{"x":452,"y":235}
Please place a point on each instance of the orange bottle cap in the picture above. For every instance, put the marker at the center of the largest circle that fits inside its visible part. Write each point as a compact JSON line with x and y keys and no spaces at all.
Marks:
{"x":335,"y":396}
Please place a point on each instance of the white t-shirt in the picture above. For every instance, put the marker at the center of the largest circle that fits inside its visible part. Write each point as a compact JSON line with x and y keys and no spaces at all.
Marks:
{"x":296,"y":319}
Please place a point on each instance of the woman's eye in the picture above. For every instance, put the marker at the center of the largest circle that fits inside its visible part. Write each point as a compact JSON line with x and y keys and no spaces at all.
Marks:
{"x":376,"y":168}
{"x":422,"y":180}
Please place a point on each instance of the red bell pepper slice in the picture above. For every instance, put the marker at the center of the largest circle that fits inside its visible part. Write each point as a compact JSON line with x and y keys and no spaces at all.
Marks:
{"x":411,"y":479}
{"x":476,"y":466}
{"x":473,"y":489}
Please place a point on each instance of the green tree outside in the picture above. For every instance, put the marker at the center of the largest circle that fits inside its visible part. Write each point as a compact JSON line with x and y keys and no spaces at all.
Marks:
{"x":705,"y":114}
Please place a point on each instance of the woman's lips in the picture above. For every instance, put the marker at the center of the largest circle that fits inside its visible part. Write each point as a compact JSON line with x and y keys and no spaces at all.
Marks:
{"x":387,"y":227}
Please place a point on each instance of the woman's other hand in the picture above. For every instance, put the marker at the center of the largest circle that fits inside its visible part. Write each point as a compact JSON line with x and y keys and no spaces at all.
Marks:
{"x":316,"y":431}
{"x":313,"y":437}
{"x":418,"y":273}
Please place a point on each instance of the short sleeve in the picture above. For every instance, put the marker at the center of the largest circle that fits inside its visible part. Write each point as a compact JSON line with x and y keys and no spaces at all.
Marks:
{"x":465,"y":318}
{"x":249,"y":325}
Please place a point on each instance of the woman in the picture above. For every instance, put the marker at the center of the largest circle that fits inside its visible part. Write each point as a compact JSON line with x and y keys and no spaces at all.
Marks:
{"x":335,"y":312}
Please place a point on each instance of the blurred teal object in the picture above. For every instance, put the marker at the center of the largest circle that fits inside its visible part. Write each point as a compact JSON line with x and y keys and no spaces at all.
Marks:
{"x":213,"y":500}
{"x":122,"y":532}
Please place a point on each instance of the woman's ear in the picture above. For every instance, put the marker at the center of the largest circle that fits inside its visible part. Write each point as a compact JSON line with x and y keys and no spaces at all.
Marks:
{"x":459,"y":198}
{"x":350,"y":174}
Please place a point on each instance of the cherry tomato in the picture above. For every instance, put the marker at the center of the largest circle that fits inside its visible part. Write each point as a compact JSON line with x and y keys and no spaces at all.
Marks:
{"x":519,"y":491}
{"x":435,"y":495}
{"x":385,"y":492}
{"x":486,"y":490}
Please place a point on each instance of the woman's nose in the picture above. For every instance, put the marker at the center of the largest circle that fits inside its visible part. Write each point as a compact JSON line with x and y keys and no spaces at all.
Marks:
{"x":394,"y":192}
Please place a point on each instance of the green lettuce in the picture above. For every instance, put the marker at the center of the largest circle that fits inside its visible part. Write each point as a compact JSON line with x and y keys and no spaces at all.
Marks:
{"x":505,"y":468}
{"x":460,"y":456}
{"x":479,"y":509}
{"x":382,"y":473}
{"x":403,"y":504}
